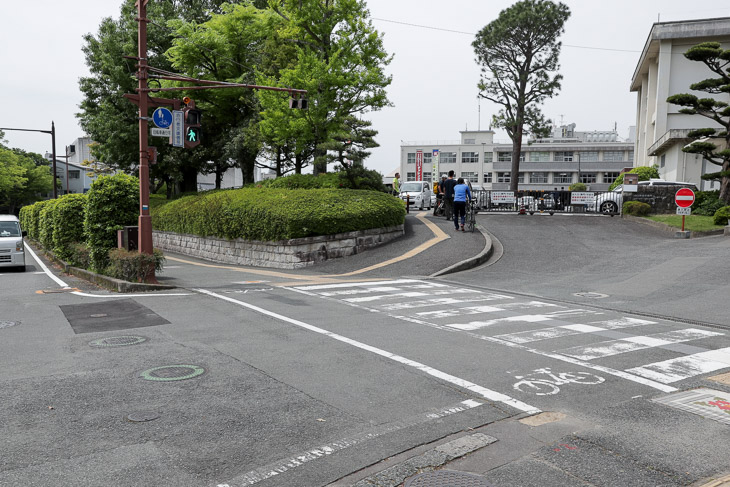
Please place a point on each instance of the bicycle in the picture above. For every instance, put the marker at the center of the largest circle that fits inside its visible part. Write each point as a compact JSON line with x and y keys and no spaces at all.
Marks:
{"x":549,"y":386}
{"x":439,"y":209}
{"x":470,"y":220}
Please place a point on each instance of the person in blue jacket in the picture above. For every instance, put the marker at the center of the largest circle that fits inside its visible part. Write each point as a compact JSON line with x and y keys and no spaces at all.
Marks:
{"x":462,"y":194}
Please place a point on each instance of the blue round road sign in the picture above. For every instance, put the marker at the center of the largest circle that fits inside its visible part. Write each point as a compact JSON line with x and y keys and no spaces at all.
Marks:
{"x":162,"y":118}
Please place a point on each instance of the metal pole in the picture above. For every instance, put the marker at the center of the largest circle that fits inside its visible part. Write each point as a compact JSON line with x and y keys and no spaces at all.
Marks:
{"x":53,"y":154}
{"x":145,"y":221}
{"x":67,"y":191}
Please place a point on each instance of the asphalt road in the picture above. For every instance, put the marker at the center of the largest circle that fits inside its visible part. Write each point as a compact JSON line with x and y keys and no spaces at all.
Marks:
{"x":317,"y":378}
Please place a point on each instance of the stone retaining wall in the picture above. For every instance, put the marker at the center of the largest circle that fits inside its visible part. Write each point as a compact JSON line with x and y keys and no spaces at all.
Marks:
{"x":661,"y":198}
{"x":284,"y":254}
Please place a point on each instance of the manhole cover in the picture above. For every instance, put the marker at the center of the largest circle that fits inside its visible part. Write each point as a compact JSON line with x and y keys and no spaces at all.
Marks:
{"x":447,"y":478}
{"x":172,"y":372}
{"x":8,"y":324}
{"x":121,"y":341}
{"x":142,"y":416}
{"x":99,"y":315}
{"x":708,"y":403}
{"x":591,"y":295}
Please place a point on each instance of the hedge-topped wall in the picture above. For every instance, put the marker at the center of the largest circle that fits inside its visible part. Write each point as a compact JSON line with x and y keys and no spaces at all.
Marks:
{"x":278,"y":214}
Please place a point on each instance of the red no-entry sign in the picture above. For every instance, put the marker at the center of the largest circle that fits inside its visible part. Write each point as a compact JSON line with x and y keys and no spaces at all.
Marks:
{"x":684,"y":198}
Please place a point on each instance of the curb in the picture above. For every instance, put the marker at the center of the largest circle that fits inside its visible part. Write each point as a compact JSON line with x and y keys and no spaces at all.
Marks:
{"x":667,"y":228}
{"x":471,"y":262}
{"x":107,"y":282}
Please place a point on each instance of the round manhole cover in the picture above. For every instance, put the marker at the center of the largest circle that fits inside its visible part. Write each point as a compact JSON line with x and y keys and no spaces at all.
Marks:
{"x":447,"y":478}
{"x":172,"y":372}
{"x":591,"y":295}
{"x":142,"y":416}
{"x":121,"y":341}
{"x":8,"y":324}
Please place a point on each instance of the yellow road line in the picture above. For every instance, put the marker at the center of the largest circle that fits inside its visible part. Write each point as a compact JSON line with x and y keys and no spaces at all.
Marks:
{"x":439,"y":236}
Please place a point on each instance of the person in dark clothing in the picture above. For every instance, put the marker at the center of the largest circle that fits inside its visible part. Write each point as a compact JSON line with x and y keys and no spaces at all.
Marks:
{"x":449,"y":195}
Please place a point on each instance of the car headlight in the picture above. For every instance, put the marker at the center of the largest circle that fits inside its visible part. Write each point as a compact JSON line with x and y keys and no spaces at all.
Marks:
{"x":18,"y":245}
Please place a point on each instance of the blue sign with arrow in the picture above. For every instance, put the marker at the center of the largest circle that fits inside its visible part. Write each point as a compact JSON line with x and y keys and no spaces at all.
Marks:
{"x":162,"y":118}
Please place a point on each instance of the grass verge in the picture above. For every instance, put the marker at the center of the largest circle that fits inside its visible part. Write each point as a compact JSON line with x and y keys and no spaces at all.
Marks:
{"x":695,"y":223}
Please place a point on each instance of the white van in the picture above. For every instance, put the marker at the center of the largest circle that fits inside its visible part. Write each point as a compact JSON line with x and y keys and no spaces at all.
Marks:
{"x":12,"y":249}
{"x":416,"y":193}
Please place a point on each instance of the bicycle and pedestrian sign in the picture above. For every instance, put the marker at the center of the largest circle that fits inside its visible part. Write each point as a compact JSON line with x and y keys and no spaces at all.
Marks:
{"x":162,"y":117}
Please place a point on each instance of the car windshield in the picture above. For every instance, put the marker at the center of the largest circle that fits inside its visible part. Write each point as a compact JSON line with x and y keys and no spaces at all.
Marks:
{"x":9,"y":229}
{"x":412,"y":187}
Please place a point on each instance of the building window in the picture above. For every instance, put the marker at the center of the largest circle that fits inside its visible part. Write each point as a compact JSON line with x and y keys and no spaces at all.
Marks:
{"x":488,"y":157}
{"x":521,"y":177}
{"x":74,"y":173}
{"x":631,"y":156}
{"x":447,"y":158}
{"x":487,"y":177}
{"x":588,"y":177}
{"x":662,"y":160}
{"x":563,"y":178}
{"x":503,"y":177}
{"x":507,"y":157}
{"x":609,"y":177}
{"x":426,"y":159}
{"x":410,"y":176}
{"x":411,"y":158}
{"x":564,"y":156}
{"x":470,"y":176}
{"x":539,"y":156}
{"x":538,"y":177}
{"x":589,"y":156}
{"x":469,"y":157}
{"x":470,"y":141}
{"x":427,"y":176}
{"x":613,"y":155}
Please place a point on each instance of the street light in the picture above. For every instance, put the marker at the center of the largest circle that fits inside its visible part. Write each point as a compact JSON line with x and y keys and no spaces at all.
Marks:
{"x":53,"y":148}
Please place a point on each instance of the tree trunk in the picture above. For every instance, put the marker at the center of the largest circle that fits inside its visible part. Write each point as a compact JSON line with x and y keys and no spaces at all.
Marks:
{"x":189,"y":183}
{"x":218,"y":176}
{"x":725,"y":184}
{"x":516,"y":149}
{"x":298,"y":164}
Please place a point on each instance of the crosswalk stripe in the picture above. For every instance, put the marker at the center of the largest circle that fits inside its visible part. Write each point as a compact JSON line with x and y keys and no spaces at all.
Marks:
{"x":630,"y":344}
{"x":368,"y":283}
{"x":413,"y":294}
{"x":684,"y":367}
{"x":576,"y":329}
{"x":425,"y":303}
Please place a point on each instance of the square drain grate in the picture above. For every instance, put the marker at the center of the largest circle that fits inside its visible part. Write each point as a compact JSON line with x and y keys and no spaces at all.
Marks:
{"x":113,"y":315}
{"x":707,"y":403}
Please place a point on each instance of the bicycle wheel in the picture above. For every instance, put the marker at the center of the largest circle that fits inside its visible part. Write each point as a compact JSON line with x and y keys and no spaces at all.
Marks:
{"x":538,"y":387}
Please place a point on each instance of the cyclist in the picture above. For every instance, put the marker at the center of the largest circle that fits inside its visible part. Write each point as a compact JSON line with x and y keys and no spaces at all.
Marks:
{"x":462,"y":194}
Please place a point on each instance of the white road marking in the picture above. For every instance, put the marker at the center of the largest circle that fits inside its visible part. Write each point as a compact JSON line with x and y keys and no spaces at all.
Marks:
{"x":426,"y":303}
{"x":568,"y":330}
{"x":281,"y":466}
{"x":685,"y":367}
{"x":370,"y":283}
{"x":630,"y":344}
{"x":50,"y":274}
{"x":477,"y":389}
{"x":412,"y":294}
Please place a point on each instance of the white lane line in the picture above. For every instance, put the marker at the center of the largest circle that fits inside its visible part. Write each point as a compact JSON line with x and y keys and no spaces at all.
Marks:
{"x":685,"y":367}
{"x":477,"y":389}
{"x":281,"y":466}
{"x":629,"y":344}
{"x":58,"y":281}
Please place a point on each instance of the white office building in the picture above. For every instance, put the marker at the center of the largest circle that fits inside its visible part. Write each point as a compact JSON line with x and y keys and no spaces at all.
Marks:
{"x":663,"y":71}
{"x":595,"y":158}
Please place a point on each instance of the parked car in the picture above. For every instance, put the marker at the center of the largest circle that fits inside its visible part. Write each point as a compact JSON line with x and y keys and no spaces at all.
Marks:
{"x":417,"y":194}
{"x":610,"y":202}
{"x":12,"y":248}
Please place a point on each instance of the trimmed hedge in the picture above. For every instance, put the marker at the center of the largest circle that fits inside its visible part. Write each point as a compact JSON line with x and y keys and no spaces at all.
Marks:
{"x":133,"y":266}
{"x":46,"y":224}
{"x":636,"y":208}
{"x":278,"y":214}
{"x":113,"y":203}
{"x":722,"y":216}
{"x":645,"y":173}
{"x":68,"y":215}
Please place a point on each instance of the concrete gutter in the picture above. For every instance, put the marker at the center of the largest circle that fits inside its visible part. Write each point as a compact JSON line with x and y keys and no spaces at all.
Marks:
{"x":471,"y":262}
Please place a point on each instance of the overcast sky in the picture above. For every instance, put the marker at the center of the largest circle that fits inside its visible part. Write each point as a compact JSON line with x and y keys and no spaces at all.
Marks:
{"x":434,"y":89}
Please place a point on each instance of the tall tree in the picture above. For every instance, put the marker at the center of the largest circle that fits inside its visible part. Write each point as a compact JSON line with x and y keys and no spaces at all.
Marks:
{"x":717,"y":60}
{"x":518,"y":53}
{"x":22,"y":179}
{"x":340,"y":61}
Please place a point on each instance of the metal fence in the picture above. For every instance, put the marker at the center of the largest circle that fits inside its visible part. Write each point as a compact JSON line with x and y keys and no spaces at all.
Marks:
{"x":551,"y":202}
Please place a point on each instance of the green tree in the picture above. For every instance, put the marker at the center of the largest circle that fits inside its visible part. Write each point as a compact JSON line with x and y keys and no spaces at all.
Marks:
{"x":340,"y":61}
{"x":24,"y":178}
{"x":518,"y":53}
{"x":717,"y":60}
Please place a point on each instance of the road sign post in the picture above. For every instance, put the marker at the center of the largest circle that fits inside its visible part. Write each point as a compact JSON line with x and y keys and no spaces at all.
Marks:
{"x":684,"y":199}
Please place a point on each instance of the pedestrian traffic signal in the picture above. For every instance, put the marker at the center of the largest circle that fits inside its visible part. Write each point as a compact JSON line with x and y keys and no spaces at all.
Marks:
{"x":301,"y":103}
{"x":193,"y":131}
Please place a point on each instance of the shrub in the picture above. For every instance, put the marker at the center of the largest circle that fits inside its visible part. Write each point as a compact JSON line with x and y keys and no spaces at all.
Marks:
{"x":636,"y":208}
{"x":68,"y":215}
{"x":645,"y":173}
{"x":722,"y":215}
{"x":577,"y":187}
{"x":79,"y":255}
{"x":357,"y":177}
{"x":46,"y":224}
{"x":707,"y":203}
{"x":271,"y":214}
{"x":113,"y":203}
{"x":34,"y":219}
{"x":133,"y":266}
{"x":301,"y":181}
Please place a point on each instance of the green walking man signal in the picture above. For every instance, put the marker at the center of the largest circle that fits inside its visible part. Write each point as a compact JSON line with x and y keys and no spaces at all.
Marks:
{"x":192,"y":117}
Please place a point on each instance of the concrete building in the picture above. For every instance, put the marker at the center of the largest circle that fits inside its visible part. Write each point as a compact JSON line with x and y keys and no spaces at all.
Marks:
{"x":663,"y":71}
{"x":568,"y":156}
